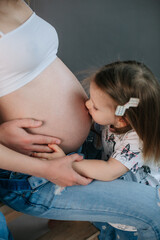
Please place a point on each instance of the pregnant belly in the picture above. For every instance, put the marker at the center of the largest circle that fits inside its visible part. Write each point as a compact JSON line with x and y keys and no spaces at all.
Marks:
{"x":68,"y":121}
{"x":55,"y":97}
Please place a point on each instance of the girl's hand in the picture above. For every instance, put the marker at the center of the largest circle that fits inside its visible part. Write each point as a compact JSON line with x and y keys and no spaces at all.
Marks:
{"x":58,"y":152}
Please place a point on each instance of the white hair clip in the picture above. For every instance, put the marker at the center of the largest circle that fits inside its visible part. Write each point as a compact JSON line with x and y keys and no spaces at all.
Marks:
{"x":120,"y":110}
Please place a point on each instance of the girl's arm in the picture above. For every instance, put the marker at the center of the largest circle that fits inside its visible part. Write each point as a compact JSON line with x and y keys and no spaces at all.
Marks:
{"x":95,"y":169}
{"x":100,"y":169}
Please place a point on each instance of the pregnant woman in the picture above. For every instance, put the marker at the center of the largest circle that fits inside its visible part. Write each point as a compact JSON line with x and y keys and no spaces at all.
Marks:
{"x":34,"y":83}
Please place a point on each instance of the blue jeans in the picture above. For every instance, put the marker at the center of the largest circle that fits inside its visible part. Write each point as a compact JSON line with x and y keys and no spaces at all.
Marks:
{"x":4,"y":232}
{"x":118,"y":201}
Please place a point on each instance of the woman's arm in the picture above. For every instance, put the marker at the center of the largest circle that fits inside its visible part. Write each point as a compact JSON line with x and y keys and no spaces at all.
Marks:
{"x":58,"y":171}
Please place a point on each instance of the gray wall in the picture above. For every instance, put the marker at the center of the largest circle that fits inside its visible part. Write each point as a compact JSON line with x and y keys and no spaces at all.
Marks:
{"x":95,"y":32}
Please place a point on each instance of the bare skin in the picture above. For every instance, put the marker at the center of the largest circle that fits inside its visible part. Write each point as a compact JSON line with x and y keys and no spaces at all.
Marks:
{"x":58,"y":170}
{"x":63,"y":112}
{"x":54,"y":97}
{"x":102,"y":109}
{"x":14,"y":135}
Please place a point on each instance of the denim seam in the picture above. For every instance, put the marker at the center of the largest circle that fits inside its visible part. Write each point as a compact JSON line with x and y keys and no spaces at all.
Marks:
{"x":158,"y":192}
{"x":122,"y":214}
{"x":33,"y":204}
{"x":132,"y":216}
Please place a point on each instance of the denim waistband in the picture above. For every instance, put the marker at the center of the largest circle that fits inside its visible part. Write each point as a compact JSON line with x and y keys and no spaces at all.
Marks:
{"x":15,"y":184}
{"x":17,"y":181}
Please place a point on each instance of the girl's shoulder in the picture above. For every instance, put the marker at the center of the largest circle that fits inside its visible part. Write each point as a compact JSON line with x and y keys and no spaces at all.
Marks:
{"x":129,"y":137}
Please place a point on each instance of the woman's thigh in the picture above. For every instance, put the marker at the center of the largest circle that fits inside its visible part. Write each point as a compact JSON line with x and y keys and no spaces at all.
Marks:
{"x":128,"y":203}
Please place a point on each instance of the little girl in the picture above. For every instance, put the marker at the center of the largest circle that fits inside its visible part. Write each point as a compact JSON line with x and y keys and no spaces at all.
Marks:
{"x":125,"y":105}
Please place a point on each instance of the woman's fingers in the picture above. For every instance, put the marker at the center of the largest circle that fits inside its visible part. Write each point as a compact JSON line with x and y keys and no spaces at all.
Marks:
{"x":42,"y":155}
{"x":42,"y":139}
{"x":40,"y":149}
{"x":28,"y":123}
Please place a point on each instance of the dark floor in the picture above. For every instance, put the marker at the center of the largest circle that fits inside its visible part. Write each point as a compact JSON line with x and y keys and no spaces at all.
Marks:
{"x":32,"y":228}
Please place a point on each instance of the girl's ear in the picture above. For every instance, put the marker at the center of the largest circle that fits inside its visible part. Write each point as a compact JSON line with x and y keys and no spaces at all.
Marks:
{"x":121,"y":119}
{"x":121,"y":122}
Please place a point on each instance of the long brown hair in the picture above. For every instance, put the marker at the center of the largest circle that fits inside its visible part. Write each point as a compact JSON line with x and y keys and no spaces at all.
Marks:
{"x":125,"y":79}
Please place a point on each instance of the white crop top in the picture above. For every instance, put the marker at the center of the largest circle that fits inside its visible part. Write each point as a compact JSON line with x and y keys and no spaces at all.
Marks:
{"x":25,"y":52}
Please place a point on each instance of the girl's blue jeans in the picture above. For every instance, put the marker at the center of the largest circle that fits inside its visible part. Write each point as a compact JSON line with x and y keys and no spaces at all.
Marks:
{"x":118,"y":201}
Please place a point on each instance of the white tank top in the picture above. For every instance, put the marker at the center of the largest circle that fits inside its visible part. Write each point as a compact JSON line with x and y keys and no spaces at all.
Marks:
{"x":25,"y":52}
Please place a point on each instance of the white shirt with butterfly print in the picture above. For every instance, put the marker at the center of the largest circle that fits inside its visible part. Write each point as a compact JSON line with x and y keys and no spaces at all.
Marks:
{"x":127,"y":149}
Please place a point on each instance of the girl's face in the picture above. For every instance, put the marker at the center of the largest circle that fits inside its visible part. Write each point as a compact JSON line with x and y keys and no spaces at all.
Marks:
{"x":101,"y":107}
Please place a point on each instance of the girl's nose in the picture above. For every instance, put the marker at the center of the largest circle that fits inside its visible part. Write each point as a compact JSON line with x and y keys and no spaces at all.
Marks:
{"x":87,"y":103}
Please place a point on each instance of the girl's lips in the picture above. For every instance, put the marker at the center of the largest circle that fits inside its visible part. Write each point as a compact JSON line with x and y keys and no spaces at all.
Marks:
{"x":111,"y":128}
{"x":90,"y":114}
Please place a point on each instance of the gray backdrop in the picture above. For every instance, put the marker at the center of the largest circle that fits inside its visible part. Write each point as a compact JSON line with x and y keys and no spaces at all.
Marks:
{"x":95,"y":32}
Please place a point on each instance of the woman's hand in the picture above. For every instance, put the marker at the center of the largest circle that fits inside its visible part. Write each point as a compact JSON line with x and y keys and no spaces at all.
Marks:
{"x":64,"y":174}
{"x":60,"y":171}
{"x":14,"y":136}
{"x":58,"y":152}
